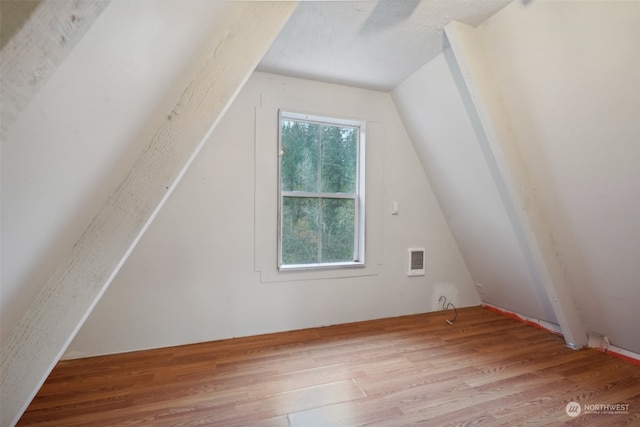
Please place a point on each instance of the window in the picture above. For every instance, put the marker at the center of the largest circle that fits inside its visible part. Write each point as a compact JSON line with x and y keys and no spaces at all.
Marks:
{"x":321,"y":198}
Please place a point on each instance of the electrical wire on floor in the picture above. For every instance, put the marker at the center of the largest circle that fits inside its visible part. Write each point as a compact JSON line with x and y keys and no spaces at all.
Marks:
{"x":446,"y":306}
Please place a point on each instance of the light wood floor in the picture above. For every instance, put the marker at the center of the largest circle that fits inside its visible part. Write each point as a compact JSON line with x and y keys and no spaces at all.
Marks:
{"x":486,"y":369}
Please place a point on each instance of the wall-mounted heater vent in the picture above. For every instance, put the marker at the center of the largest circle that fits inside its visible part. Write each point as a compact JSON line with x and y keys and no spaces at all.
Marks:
{"x":416,"y":262}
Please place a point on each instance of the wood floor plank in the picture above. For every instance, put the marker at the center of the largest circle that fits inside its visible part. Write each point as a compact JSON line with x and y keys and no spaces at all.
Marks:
{"x":349,"y":413}
{"x":486,"y":369}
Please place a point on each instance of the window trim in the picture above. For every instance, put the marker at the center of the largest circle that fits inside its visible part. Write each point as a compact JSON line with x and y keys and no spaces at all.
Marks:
{"x":358,"y":197}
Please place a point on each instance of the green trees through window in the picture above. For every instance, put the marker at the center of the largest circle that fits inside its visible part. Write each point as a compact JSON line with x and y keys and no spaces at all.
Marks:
{"x":320,"y":190}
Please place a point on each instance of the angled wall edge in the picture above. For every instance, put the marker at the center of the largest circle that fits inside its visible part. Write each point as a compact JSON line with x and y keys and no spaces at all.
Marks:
{"x":480,"y":93}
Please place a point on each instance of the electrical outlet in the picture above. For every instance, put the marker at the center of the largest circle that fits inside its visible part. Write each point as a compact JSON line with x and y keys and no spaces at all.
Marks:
{"x":480,"y":288}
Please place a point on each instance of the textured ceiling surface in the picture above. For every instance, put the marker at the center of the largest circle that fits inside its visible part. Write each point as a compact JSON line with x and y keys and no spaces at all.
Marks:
{"x":371,"y":44}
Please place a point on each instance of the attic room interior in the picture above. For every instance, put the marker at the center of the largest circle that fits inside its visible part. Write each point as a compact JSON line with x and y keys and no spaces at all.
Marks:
{"x":145,"y":222}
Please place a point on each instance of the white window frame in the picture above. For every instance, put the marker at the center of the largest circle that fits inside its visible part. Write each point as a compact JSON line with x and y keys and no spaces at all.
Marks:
{"x":358,"y":197}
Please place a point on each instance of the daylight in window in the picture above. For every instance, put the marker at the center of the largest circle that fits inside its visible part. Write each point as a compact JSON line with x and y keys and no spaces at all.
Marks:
{"x":321,"y":218}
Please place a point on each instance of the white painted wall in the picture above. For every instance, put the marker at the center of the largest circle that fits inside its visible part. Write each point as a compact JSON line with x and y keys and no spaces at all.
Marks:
{"x":455,"y":162}
{"x":202,"y":270}
{"x":38,"y":341}
{"x":569,"y":79}
{"x":75,"y":142}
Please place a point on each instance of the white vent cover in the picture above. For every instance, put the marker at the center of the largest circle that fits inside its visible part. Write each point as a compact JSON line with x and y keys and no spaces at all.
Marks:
{"x":416,"y":262}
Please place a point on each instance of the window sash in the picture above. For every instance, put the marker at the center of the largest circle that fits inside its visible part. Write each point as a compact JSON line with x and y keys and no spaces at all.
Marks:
{"x":321,"y":251}
{"x":357,"y":197}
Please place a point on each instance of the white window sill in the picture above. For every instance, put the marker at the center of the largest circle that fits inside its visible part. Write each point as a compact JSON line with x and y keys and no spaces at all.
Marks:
{"x":324,"y":266}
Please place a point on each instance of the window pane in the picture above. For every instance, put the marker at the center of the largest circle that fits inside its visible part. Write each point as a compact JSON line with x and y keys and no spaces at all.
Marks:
{"x":337,"y":229}
{"x":320,"y":192}
{"x":339,"y":159}
{"x":299,"y":162}
{"x":300,"y":230}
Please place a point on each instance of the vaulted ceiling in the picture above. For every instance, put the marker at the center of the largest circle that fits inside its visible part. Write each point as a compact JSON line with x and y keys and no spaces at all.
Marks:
{"x":371,"y":44}
{"x":378,"y":44}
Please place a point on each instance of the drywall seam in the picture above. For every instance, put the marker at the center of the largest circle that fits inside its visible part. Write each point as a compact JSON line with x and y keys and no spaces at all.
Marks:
{"x":36,"y":344}
{"x":492,"y":128}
